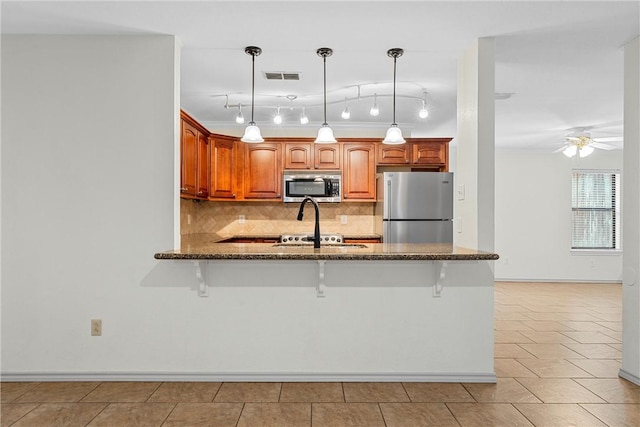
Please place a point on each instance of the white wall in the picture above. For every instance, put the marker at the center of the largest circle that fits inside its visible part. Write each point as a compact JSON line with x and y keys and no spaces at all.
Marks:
{"x":533,"y":218}
{"x":88,"y":135}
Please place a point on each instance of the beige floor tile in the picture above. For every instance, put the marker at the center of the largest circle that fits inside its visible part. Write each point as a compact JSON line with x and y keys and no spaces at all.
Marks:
{"x":275,"y":415}
{"x":617,"y":347}
{"x":487,"y":414}
{"x":346,"y":415}
{"x":558,"y":414}
{"x":596,"y":351}
{"x":559,"y":390}
{"x":11,"y":391}
{"x":510,"y":337}
{"x":607,"y":317}
{"x":417,"y":415}
{"x":510,"y":351}
{"x":585,"y":326}
{"x":12,"y":412}
{"x":551,"y":351}
{"x":614,"y":326}
{"x":437,"y":392}
{"x":554,"y":368}
{"x":613,"y":390}
{"x":185,"y":392}
{"x":122,"y":392}
{"x":546,"y":325}
{"x":510,"y":316}
{"x":510,"y":325}
{"x":311,"y":392}
{"x":509,"y":308}
{"x":204,"y":414}
{"x":61,"y":414}
{"x":248,"y":392}
{"x":599,"y":368}
{"x":590,"y":337}
{"x":560,"y":317}
{"x":374,"y":392}
{"x":133,"y":415}
{"x":545,"y":337}
{"x":58,"y":392}
{"x":505,"y":390}
{"x":619,"y":415}
{"x":511,"y":368}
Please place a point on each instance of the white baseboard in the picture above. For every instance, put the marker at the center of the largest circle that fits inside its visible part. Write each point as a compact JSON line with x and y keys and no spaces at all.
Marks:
{"x":520,"y":279}
{"x":629,"y":376}
{"x":248,"y":377}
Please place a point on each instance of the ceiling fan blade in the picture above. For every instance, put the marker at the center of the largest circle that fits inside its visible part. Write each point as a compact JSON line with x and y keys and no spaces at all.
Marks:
{"x":602,"y":146}
{"x":560,"y":149}
{"x":608,"y":139}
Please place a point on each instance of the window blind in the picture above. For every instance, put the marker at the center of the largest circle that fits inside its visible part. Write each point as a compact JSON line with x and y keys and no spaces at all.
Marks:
{"x":595,"y":207}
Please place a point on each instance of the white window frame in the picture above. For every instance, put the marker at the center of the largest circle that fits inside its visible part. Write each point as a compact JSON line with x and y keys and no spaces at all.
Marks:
{"x":617,"y":212}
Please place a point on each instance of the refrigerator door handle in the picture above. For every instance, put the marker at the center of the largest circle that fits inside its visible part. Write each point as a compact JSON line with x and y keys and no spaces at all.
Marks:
{"x":388,"y":202}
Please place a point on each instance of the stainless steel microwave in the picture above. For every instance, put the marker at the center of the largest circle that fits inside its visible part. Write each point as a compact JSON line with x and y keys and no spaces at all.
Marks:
{"x":323,"y":186}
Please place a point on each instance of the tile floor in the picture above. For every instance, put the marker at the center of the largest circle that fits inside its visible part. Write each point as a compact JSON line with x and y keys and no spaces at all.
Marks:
{"x":557,"y":355}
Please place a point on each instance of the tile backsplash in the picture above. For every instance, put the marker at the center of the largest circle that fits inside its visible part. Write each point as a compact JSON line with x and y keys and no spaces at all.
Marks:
{"x":273,"y":218}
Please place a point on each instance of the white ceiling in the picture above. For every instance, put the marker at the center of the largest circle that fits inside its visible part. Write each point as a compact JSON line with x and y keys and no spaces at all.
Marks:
{"x":562,"y":60}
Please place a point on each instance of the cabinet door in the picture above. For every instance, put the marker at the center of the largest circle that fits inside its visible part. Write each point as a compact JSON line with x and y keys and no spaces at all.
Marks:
{"x":326,"y":156}
{"x":189,"y":156}
{"x":223,"y":164}
{"x":297,"y":155}
{"x":393,"y":154}
{"x":202,"y":167}
{"x":429,"y":153}
{"x":263,"y":171}
{"x":359,"y":172}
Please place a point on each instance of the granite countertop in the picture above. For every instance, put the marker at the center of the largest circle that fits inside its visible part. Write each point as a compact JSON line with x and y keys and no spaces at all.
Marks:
{"x":203,"y":247}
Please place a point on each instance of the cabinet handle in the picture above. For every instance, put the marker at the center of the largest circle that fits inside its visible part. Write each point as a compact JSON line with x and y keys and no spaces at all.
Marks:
{"x":183,"y":188}
{"x":233,"y":195}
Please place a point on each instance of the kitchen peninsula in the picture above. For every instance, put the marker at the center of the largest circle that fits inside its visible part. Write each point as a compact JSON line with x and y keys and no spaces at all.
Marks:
{"x":351,"y":312}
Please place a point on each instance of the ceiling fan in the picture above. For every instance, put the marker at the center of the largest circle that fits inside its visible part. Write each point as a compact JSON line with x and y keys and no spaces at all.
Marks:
{"x":581,"y":143}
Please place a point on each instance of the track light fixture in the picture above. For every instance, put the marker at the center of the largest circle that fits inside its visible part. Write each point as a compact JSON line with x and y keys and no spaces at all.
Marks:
{"x":303,"y":116}
{"x":424,"y":113}
{"x":239,"y":116}
{"x":394,"y":134}
{"x":277,"y":119}
{"x":374,"y":111}
{"x":346,"y":114}
{"x":325,"y":133}
{"x":252,"y":132}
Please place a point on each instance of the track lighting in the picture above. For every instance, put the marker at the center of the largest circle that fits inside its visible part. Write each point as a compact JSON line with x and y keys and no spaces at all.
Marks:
{"x":277,"y":119}
{"x":252,"y":132}
{"x":346,"y":114}
{"x":424,"y":113}
{"x":303,"y":117}
{"x":325,"y":133}
{"x":394,"y":134}
{"x":374,"y":111}
{"x":239,"y":116}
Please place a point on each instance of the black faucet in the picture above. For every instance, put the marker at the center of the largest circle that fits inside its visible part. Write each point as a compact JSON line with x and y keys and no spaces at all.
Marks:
{"x":316,"y":231}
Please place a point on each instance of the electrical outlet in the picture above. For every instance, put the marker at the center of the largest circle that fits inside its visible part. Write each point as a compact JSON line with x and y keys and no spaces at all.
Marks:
{"x":459,"y":224}
{"x":240,"y":219}
{"x":96,"y":327}
{"x":343,"y":219}
{"x":188,"y":218}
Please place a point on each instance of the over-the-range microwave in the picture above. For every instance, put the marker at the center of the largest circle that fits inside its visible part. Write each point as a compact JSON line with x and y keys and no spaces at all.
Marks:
{"x":323,"y":186}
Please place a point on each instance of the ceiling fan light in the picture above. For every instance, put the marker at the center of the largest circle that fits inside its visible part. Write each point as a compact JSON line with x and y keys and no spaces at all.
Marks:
{"x":252,"y":134}
{"x":325,"y":135}
{"x":394,"y":136}
{"x":585,"y":151}
{"x":570,"y":151}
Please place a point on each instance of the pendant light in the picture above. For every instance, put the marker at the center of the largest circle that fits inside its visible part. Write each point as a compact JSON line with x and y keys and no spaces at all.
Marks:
{"x":252,"y":132}
{"x":394,"y":134}
{"x":325,"y":134}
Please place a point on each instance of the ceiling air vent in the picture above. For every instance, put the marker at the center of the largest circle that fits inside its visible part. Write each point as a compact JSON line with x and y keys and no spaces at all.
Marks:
{"x":279,"y":75}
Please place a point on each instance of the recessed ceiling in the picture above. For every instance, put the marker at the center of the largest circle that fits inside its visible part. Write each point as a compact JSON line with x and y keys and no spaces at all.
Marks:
{"x":561,"y":61}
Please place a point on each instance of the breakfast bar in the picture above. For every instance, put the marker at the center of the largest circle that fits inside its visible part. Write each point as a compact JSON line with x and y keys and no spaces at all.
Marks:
{"x":346,"y":312}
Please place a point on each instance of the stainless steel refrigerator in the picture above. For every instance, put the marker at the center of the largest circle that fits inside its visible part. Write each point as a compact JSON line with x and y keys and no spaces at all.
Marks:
{"x":415,"y":207}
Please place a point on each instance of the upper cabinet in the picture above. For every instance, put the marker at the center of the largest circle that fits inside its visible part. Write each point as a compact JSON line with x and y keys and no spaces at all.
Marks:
{"x":308,"y":155}
{"x":359,"y":171}
{"x":424,"y":153}
{"x":223,"y":167}
{"x":194,"y":159}
{"x":263,"y":171}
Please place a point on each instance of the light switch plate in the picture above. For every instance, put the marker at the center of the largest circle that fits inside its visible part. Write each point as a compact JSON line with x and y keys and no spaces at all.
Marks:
{"x":460,"y":191}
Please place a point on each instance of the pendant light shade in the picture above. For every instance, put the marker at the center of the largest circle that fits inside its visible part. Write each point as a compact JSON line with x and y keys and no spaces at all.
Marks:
{"x":394,"y":134}
{"x":252,"y":132}
{"x":325,"y":133}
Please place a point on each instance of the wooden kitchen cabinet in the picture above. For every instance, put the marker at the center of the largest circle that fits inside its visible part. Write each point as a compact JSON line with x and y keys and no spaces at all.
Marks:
{"x":430,"y":153}
{"x":359,"y":171}
{"x":424,"y":153}
{"x":393,"y":154}
{"x":326,"y":156}
{"x":223,"y":168}
{"x":308,"y":155}
{"x":263,"y":171}
{"x":194,"y":159}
